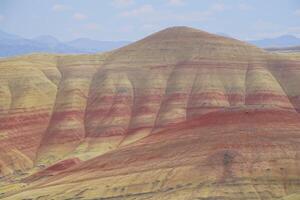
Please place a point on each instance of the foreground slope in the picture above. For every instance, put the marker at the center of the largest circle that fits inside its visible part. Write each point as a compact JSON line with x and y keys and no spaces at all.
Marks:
{"x":183,"y":103}
{"x":237,"y":155}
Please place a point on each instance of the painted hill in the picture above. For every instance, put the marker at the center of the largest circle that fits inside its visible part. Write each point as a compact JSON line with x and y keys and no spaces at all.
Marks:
{"x":180,"y":114}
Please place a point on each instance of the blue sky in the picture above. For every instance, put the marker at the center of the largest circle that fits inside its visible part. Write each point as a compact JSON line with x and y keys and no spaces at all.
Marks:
{"x":134,"y":19}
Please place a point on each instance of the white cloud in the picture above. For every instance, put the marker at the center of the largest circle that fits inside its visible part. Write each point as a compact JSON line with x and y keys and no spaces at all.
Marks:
{"x":158,"y":17}
{"x":122,"y":3}
{"x":92,"y":26}
{"x":148,"y":27}
{"x":201,"y":16}
{"x":60,"y":7}
{"x":190,"y":17}
{"x":261,"y":25}
{"x":218,"y":7}
{"x":297,"y":12}
{"x":176,"y":2}
{"x":144,"y":9}
{"x":244,"y":7}
{"x":275,"y":32}
{"x":294,"y":31}
{"x":148,"y":15}
{"x":126,"y":29}
{"x":79,"y":16}
{"x":177,"y":18}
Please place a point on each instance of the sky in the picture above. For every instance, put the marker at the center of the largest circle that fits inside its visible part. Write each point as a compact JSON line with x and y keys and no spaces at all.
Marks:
{"x":131,"y":20}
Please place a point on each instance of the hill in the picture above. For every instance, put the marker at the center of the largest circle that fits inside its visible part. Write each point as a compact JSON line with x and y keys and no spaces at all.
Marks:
{"x":180,"y":114}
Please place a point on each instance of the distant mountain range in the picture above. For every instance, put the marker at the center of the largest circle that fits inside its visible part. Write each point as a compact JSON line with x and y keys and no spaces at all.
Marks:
{"x":12,"y":45}
{"x":278,"y":42}
{"x":285,"y":49}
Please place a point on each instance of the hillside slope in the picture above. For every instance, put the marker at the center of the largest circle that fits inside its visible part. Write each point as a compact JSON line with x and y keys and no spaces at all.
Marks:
{"x":236,"y":155}
{"x":175,"y":104}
